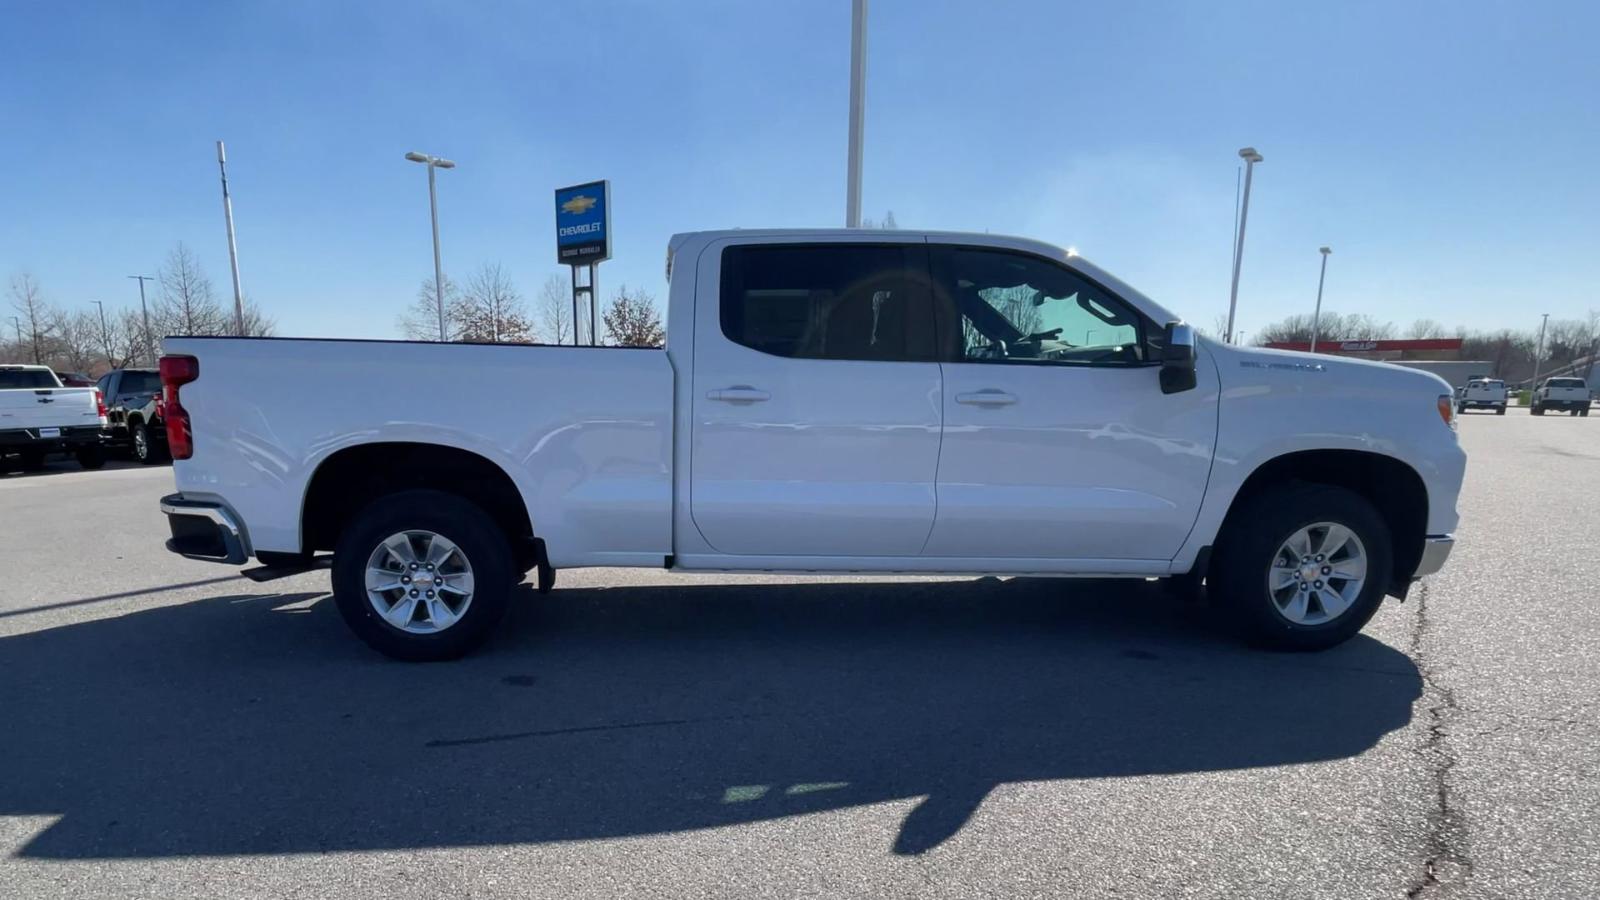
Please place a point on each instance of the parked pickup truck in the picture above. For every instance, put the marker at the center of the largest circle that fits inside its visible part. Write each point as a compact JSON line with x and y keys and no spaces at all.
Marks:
{"x":133,"y":416}
{"x":1483,"y":393}
{"x":39,"y":417}
{"x":1570,"y":395}
{"x":827,"y":401}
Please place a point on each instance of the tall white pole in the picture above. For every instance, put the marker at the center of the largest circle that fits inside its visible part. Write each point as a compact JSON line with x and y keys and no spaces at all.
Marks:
{"x":233,"y":248}
{"x":1250,"y":157}
{"x":1316,"y":317}
{"x":858,"y":103}
{"x":105,"y":333}
{"x":149,"y":343}
{"x":438,"y":268}
{"x":1538,"y":351}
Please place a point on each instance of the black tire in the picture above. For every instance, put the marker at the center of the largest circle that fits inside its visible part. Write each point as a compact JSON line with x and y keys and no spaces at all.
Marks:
{"x":91,"y":457}
{"x":1499,"y":410}
{"x":1538,"y":410}
{"x":483,"y":542}
{"x":146,"y":449}
{"x":1460,"y":408}
{"x":30,"y":460}
{"x":1584,"y":412}
{"x":1245,"y":554}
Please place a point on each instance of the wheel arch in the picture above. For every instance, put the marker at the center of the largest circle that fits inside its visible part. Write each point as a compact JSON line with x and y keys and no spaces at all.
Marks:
{"x":1391,"y":485}
{"x":350,"y":478}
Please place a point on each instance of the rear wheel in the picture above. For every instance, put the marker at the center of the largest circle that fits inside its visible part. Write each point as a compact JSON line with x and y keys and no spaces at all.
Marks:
{"x":30,"y":460}
{"x":91,"y":457}
{"x":1499,"y":410}
{"x":1302,"y":566}
{"x":145,"y":448}
{"x":423,"y":575}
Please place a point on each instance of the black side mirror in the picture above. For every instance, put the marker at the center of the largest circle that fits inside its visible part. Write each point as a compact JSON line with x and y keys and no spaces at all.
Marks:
{"x":1177,"y":359}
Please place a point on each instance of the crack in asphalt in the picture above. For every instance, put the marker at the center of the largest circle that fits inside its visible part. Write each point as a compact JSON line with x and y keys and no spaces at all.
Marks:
{"x":1447,"y":862}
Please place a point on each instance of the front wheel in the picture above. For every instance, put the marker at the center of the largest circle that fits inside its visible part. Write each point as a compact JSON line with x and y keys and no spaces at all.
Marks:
{"x":1302,"y":566}
{"x":423,"y":575}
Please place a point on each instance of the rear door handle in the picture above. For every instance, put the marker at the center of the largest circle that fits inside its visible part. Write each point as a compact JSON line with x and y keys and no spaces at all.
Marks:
{"x":989,"y":397}
{"x":742,"y":393}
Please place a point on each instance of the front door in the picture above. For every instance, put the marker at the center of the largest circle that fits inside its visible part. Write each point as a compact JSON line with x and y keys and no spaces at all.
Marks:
{"x":816,"y":399}
{"x":1058,"y":442}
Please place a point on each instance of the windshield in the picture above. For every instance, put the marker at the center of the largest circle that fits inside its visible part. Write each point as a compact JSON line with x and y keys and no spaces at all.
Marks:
{"x":22,"y":379}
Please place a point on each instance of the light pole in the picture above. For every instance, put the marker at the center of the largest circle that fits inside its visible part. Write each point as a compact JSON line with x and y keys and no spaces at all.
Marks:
{"x":858,"y":113}
{"x":17,"y":324}
{"x":233,"y":248}
{"x":149,"y":344}
{"x":1316,"y":317}
{"x":1538,"y":351}
{"x":105,"y":333}
{"x":434,"y":162}
{"x":1250,"y":157}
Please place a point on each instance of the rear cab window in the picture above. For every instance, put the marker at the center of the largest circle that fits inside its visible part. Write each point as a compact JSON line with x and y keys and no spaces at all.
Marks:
{"x":25,"y":379}
{"x":140,"y":383}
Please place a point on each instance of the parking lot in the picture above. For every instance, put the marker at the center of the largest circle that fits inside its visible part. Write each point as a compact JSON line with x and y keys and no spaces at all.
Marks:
{"x":174,"y":730}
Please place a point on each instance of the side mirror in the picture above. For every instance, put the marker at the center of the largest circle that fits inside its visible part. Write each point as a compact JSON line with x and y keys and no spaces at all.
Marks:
{"x":1177,"y":359}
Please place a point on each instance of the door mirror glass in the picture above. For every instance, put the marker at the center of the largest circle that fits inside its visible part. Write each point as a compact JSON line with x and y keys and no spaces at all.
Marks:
{"x":1177,"y":358}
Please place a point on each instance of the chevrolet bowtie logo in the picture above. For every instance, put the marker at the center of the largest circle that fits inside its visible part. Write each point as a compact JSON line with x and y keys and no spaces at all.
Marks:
{"x":579,"y":205}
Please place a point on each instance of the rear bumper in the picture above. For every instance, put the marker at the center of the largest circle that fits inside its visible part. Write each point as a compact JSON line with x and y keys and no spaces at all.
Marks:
{"x":1563,"y":404}
{"x":71,"y":438}
{"x":205,"y":530}
{"x":1435,"y":550}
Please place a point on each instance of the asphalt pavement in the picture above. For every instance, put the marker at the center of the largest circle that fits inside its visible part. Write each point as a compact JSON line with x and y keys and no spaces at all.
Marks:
{"x":171,"y":730}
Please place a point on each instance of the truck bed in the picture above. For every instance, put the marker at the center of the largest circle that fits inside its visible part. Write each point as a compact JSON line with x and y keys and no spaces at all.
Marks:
{"x":585,"y":433}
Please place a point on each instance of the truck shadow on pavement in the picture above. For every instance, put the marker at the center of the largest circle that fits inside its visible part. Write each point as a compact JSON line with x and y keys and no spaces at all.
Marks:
{"x":255,"y":724}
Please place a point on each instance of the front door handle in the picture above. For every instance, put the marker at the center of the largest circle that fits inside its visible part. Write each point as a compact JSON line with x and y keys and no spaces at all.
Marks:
{"x":739,"y":393}
{"x":988,"y":397}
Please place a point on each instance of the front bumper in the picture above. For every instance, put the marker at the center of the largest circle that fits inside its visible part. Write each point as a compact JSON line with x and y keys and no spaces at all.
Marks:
{"x":204,"y":530}
{"x":1435,"y":550}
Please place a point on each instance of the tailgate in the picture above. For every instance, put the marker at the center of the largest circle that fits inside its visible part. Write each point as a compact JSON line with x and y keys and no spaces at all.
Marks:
{"x":34,"y":408}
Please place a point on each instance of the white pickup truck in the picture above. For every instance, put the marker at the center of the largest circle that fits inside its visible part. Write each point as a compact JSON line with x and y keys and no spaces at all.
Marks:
{"x":827,"y":401}
{"x":1568,"y":395}
{"x":39,"y":417}
{"x":1483,"y":393}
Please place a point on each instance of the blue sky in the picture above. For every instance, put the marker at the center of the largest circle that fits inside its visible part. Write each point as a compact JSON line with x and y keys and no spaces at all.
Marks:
{"x":1447,"y":151}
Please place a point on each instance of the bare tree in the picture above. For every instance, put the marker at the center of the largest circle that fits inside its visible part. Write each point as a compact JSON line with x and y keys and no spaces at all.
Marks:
{"x":491,"y":309}
{"x":36,"y":318}
{"x":188,"y":302}
{"x":1425,"y":329}
{"x":887,"y":224}
{"x":78,"y":340}
{"x":555,"y":310}
{"x":632,"y":321}
{"x":256,"y":322}
{"x":420,"y":320}
{"x":129,"y":341}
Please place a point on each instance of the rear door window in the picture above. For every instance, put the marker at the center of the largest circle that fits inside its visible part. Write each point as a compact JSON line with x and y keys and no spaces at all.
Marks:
{"x":140,"y":383}
{"x":829,"y":301}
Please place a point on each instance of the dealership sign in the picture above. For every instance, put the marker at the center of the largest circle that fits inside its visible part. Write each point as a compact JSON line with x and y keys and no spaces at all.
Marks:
{"x":583,"y":223}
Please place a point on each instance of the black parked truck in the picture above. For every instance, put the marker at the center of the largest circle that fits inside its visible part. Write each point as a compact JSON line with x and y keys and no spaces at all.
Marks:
{"x":134,"y":420}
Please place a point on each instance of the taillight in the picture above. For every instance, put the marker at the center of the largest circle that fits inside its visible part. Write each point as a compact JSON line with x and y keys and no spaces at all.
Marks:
{"x":100,"y":403}
{"x":177,"y":371}
{"x":1447,"y":410}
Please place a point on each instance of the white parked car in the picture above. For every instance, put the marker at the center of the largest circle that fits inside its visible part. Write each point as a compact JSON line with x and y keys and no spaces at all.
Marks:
{"x":38,"y":417}
{"x":1569,"y":395}
{"x":827,"y":401}
{"x":1483,"y":393}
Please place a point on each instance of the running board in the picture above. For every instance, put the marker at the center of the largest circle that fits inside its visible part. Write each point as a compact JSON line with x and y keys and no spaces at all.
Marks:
{"x":284,"y":570}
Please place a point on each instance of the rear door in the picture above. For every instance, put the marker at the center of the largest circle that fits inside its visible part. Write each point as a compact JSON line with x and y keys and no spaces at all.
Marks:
{"x":816,"y":399}
{"x":1058,"y":441}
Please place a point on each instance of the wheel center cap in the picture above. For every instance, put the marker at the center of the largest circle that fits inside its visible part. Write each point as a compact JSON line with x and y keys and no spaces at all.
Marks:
{"x":1310,"y":572}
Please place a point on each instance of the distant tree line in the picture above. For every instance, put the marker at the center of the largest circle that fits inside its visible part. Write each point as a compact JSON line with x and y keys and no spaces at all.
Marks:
{"x":489,"y":308}
{"x":1568,"y":343}
{"x":182,"y":301}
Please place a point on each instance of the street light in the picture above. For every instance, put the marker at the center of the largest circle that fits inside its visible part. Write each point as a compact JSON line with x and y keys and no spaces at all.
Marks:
{"x":149,"y":345}
{"x":105,"y":333}
{"x":434,"y":162}
{"x":1250,"y":157}
{"x":1538,"y":351}
{"x":1316,"y":317}
{"x":858,"y":113}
